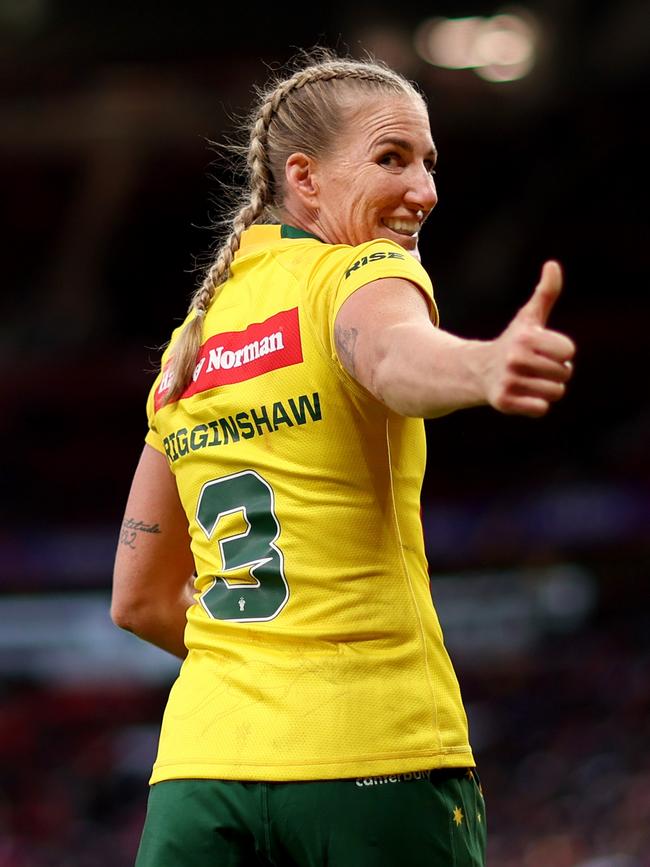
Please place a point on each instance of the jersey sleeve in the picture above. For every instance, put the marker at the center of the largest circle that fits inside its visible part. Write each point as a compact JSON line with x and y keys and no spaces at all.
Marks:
{"x":156,"y":395}
{"x":345,"y":269}
{"x":153,"y":437}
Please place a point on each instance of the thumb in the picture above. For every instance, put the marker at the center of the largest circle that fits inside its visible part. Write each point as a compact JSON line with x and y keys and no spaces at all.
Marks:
{"x":538,"y":308}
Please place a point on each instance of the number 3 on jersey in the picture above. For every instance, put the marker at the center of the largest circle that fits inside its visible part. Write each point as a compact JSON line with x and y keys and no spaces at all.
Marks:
{"x":254,"y":550}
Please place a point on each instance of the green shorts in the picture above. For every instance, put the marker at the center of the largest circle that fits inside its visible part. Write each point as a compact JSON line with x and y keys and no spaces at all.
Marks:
{"x":433,"y":818}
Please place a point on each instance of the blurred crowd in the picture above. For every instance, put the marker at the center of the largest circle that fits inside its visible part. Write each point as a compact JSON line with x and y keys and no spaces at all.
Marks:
{"x":561,"y":739}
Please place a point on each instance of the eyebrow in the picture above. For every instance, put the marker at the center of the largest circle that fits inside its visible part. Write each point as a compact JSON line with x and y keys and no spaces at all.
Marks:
{"x":404,"y":145}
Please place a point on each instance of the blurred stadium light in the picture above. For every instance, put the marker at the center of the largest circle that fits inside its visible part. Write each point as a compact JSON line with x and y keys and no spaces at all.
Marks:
{"x":499,"y":48}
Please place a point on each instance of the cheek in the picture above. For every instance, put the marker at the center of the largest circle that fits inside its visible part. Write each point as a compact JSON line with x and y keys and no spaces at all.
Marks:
{"x":352,"y":205}
{"x":360,"y":219}
{"x":365,"y":196}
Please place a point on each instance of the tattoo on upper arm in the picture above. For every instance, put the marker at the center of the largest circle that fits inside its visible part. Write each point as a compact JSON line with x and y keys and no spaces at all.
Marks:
{"x":131,"y":528}
{"x":345,"y":341}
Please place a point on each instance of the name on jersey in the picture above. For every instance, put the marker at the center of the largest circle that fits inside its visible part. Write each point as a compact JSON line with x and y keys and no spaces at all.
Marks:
{"x":245,"y":425}
{"x":235,"y":356}
{"x":374,"y":257}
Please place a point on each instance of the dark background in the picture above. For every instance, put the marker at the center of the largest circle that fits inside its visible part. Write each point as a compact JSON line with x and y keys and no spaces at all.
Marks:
{"x":109,"y":188}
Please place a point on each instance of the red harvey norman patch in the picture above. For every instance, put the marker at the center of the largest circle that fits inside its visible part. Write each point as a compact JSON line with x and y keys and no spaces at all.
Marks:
{"x":236,"y":356}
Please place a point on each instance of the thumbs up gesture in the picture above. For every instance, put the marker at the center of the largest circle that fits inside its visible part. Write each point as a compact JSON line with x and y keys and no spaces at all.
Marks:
{"x":530,"y":364}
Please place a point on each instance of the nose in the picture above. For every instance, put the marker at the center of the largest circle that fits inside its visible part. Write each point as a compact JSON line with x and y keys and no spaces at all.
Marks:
{"x":422,"y":194}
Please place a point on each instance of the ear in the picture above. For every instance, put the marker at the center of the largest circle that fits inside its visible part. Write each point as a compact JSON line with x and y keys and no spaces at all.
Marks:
{"x":301,"y":179}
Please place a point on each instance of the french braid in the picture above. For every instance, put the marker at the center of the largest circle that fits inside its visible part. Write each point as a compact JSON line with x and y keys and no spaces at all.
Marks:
{"x":298,"y":113}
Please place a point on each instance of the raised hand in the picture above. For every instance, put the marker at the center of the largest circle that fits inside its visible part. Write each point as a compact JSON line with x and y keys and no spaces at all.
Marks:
{"x":530,"y":364}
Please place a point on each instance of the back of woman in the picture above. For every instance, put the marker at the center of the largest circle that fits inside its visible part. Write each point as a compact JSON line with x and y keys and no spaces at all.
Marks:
{"x":302,"y":497}
{"x":316,"y":719}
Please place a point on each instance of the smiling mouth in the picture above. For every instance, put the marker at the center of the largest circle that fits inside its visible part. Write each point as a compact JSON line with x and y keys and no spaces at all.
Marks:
{"x":402,"y":226}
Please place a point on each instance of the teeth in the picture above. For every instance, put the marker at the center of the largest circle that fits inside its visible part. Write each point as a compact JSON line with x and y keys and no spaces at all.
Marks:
{"x":404,"y":227}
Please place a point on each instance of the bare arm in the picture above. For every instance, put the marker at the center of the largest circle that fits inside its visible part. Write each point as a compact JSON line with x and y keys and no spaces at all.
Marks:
{"x":152,"y":578}
{"x":385,"y":340}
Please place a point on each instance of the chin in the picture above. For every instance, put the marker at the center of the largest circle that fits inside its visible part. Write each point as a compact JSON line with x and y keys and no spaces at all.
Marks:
{"x":410,"y":244}
{"x":407,"y":242}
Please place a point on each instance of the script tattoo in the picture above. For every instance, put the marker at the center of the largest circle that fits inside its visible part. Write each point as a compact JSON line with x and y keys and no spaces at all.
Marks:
{"x":131,"y":528}
{"x":345,"y":340}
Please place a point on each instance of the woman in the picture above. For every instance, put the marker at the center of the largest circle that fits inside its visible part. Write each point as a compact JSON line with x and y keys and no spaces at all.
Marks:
{"x":317,"y":718}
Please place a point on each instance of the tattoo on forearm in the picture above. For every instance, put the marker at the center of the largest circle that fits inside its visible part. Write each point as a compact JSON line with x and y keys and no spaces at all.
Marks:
{"x":345,"y":340}
{"x":131,"y":528}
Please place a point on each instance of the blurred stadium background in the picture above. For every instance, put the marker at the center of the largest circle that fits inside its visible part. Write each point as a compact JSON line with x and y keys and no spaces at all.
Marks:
{"x":537,"y":532}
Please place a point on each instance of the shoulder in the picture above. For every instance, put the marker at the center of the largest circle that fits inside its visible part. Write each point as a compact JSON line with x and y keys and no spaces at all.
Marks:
{"x":350,"y":268}
{"x":367,"y":260}
{"x":378,"y":254}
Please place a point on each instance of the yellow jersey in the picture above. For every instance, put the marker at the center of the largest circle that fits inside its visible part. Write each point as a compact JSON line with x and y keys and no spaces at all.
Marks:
{"x":314,"y":650}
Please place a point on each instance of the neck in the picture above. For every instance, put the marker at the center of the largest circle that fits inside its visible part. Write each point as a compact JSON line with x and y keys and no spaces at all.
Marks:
{"x":301,"y":219}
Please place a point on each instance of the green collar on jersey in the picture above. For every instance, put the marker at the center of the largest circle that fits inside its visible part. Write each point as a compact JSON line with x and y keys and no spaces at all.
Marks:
{"x":292,"y":232}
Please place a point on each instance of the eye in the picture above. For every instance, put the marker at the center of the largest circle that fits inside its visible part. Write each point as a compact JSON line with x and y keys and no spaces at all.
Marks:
{"x":430,"y":166}
{"x":392,"y":160}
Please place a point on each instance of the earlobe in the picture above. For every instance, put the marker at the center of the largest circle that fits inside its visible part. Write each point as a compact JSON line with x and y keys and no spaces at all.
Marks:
{"x":301,"y":179}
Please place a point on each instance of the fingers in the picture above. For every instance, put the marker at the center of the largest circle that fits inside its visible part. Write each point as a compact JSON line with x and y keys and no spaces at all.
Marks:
{"x":541,"y":367}
{"x":540,"y":353}
{"x":552,"y":345}
{"x":545,"y":389}
{"x":533,"y":407}
{"x":538,"y":308}
{"x":533,"y":363}
{"x":536,"y":352}
{"x":529,"y":396}
{"x":536,"y":369}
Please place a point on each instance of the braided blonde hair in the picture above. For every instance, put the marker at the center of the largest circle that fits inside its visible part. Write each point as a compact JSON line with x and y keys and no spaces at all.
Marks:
{"x":302,"y":112}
